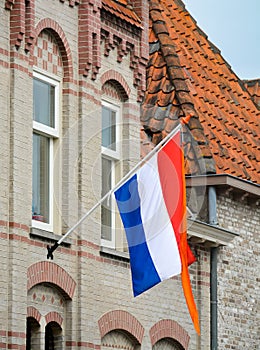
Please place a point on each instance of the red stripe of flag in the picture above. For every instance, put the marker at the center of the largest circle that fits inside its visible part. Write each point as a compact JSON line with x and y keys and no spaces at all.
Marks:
{"x":172,"y":177}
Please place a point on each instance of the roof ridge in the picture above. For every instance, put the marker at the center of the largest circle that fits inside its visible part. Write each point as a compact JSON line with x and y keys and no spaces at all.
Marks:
{"x":251,"y":81}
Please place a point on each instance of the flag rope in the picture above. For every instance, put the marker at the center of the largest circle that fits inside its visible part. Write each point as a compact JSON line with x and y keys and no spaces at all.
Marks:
{"x":163,"y":142}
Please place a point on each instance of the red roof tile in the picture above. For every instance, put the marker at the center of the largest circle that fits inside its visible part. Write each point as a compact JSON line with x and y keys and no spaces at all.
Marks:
{"x":187,"y":74}
{"x":122,"y":10}
{"x":253,"y":86}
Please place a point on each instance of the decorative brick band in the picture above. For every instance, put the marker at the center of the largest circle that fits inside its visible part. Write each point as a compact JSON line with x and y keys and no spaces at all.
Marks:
{"x":169,"y":329}
{"x":14,"y":225}
{"x":73,"y":344}
{"x":62,"y":42}
{"x":48,"y":272}
{"x":14,"y":334}
{"x":113,"y":75}
{"x":54,"y":317}
{"x":34,"y":313}
{"x":120,"y":319}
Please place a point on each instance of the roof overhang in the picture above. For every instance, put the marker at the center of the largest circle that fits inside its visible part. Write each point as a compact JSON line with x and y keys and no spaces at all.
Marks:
{"x":209,"y":235}
{"x":212,"y":235}
{"x":224,"y":180}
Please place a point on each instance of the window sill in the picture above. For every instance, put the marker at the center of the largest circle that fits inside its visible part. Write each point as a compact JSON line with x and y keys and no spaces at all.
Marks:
{"x":114,"y":254}
{"x":47,"y":236}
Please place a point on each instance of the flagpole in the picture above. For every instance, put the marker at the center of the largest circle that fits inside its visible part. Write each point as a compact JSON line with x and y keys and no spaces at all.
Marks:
{"x":51,"y":249}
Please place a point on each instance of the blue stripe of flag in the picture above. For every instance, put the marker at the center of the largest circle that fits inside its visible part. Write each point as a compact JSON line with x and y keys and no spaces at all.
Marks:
{"x":144,"y":274}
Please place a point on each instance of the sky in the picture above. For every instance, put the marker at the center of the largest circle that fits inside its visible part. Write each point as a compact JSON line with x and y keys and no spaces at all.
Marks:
{"x":234,"y":27}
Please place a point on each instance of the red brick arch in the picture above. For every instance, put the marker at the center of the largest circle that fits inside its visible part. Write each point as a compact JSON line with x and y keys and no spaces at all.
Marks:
{"x":48,"y":272}
{"x":34,"y":313}
{"x":116,"y":76}
{"x":54,"y":317}
{"x":62,"y":42}
{"x":169,"y":329}
{"x":120,"y":319}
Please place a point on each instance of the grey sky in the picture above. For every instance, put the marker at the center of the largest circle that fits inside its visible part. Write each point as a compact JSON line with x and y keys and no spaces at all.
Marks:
{"x":234,"y":27}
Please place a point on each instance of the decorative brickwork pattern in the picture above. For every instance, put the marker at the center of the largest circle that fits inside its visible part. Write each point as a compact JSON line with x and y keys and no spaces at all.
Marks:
{"x":22,"y":21}
{"x":47,"y":54}
{"x":34,"y":313}
{"x":29,"y":24}
{"x":110,"y":90}
{"x":119,"y":319}
{"x":62,"y":43}
{"x":89,"y":38}
{"x":98,"y":24}
{"x":51,"y":273}
{"x":17,"y":22}
{"x":169,"y":329}
{"x":119,"y":340}
{"x":119,"y":82}
{"x":54,"y":317}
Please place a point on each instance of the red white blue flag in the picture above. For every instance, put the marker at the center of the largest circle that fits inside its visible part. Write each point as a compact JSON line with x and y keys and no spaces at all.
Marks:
{"x":152,"y":207}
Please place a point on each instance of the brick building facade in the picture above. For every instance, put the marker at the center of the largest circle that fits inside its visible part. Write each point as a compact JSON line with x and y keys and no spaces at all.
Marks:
{"x":73,"y":77}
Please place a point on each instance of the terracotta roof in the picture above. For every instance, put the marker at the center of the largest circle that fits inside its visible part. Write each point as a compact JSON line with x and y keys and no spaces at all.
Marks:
{"x":253,"y":87}
{"x":122,"y":10}
{"x":187,"y":74}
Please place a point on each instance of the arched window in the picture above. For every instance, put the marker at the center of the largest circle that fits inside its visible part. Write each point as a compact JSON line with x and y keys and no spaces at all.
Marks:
{"x":169,"y":335}
{"x":53,"y":336}
{"x":113,"y":98}
{"x":168,"y":344}
{"x":32,"y":334}
{"x":47,"y":123}
{"x":120,"y":330}
{"x":119,"y":339}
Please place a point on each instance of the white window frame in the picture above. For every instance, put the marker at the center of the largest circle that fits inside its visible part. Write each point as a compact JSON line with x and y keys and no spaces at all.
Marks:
{"x":52,"y":134}
{"x":114,"y":157}
{"x":107,"y":151}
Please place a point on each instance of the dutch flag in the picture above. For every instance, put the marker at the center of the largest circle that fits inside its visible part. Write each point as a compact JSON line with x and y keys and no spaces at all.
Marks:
{"x":151,"y":205}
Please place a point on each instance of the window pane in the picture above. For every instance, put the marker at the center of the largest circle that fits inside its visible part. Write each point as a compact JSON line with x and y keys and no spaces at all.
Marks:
{"x":43,"y":103}
{"x":108,"y":128}
{"x":41,"y":154}
{"x":106,"y":215}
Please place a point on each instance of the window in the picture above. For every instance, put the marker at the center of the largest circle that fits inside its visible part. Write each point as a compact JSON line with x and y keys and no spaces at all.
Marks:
{"x":110,"y":157}
{"x":169,"y":344}
{"x":53,"y":336}
{"x":33,"y":335}
{"x":45,"y":132}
